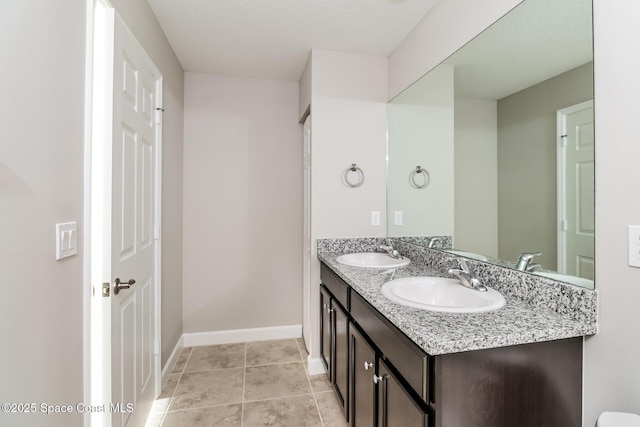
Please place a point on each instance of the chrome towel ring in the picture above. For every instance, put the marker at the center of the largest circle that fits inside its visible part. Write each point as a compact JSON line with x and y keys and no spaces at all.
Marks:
{"x":416,"y":183}
{"x":359,"y":176}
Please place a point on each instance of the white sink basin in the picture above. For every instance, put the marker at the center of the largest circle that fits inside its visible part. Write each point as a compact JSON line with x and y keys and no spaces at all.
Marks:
{"x":372,"y":260}
{"x":441,"y":294}
{"x":574,"y":280}
{"x":468,"y":255}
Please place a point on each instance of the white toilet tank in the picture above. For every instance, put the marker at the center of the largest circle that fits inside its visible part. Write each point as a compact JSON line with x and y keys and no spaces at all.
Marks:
{"x":618,"y":419}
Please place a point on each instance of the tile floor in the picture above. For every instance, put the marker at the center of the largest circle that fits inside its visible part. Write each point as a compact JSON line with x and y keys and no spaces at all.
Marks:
{"x":251,"y":384}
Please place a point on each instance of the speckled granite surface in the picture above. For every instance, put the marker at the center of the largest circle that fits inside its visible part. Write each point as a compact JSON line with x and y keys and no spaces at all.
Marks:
{"x":537,"y":309}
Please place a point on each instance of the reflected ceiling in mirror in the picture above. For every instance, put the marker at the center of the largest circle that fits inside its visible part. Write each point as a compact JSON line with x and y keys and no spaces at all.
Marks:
{"x":489,"y":126}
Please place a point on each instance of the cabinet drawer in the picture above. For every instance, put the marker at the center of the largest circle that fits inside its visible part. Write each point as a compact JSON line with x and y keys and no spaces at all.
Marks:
{"x":335,"y":285}
{"x":408,"y":359}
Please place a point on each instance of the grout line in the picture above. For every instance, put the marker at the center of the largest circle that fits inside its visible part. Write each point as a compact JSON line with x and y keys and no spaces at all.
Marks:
{"x":278,"y":363}
{"x":313,"y":394}
{"x":204,"y":371}
{"x":279,"y":397}
{"x":187,"y":362}
{"x":302,"y":358}
{"x":175,"y":389}
{"x":306,"y":370}
{"x":195,"y":408}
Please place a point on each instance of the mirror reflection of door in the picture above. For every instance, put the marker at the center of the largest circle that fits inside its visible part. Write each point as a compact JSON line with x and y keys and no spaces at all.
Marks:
{"x":576,"y":190}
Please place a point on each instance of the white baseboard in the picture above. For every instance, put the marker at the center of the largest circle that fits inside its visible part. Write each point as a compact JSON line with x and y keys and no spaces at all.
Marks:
{"x":171,"y":362}
{"x":195,"y":339}
{"x":315,"y":366}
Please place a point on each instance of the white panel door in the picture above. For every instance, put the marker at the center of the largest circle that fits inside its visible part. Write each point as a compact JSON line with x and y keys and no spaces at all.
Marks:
{"x":577,"y":226}
{"x":136,"y":86}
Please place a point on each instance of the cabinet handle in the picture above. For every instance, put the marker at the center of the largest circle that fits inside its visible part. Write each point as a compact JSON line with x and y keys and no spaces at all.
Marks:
{"x":328,"y":308}
{"x":367,"y":365}
{"x":378,"y":378}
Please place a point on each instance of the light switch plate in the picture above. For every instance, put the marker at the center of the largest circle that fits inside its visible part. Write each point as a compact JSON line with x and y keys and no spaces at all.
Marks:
{"x":66,"y":239}
{"x":634,"y":245}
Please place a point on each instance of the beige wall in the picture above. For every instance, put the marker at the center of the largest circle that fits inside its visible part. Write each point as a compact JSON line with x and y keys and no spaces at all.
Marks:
{"x":527,"y":151}
{"x":41,"y":183}
{"x":304,"y":101}
{"x":612,"y":365}
{"x":348,"y":110}
{"x":349,"y":126}
{"x":242,"y":204}
{"x":476,"y":176}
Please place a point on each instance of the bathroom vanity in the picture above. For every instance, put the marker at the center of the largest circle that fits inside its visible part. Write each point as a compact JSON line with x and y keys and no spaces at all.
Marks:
{"x":393,"y":365}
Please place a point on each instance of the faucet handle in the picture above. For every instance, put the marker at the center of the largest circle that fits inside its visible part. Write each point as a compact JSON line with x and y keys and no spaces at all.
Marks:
{"x":526,"y":256}
{"x":462,"y":262}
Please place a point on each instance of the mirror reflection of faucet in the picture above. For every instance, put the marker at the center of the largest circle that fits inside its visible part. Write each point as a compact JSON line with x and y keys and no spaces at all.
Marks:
{"x":524,"y":262}
{"x":432,"y":241}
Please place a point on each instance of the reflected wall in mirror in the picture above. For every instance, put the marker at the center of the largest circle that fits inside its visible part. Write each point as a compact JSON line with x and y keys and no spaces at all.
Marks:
{"x":504,"y":128}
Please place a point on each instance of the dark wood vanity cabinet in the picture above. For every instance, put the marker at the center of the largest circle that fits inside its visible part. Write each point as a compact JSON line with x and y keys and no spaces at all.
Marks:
{"x":377,"y":396}
{"x":334,"y":339}
{"x":528,"y":385}
{"x":340,"y":371}
{"x":325,"y":328}
{"x":362,"y":389}
{"x":370,"y":392}
{"x":383,"y":379}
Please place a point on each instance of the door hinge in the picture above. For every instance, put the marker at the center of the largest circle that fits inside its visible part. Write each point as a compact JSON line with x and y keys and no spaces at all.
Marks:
{"x":563,"y":225}
{"x":159,"y":111}
{"x":563,"y":141}
{"x":157,"y":347}
{"x":156,"y":232}
{"x":106,"y":289}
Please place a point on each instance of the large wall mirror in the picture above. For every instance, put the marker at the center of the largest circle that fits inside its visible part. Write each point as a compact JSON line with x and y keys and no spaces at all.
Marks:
{"x":494,"y":147}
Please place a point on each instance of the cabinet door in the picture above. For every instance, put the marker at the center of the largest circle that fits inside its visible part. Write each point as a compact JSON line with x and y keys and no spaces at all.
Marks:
{"x":362,"y":398}
{"x":325,"y":329}
{"x":395,"y":406}
{"x":340,"y":354}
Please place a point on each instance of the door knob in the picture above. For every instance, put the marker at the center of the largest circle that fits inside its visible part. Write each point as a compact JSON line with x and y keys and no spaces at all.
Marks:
{"x":367,"y":365}
{"x":122,"y":285}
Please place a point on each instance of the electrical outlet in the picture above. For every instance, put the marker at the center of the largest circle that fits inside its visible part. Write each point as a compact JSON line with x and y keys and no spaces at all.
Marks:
{"x":634,"y":245}
{"x":375,"y":217}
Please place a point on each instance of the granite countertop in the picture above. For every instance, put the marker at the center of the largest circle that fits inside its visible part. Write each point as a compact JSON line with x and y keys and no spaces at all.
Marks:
{"x":440,"y":333}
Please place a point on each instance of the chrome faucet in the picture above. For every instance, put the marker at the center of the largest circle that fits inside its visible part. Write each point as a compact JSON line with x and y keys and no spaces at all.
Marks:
{"x":534,"y":267}
{"x":466,"y":277}
{"x":432,"y":241}
{"x":524,"y":261}
{"x":390,"y":251}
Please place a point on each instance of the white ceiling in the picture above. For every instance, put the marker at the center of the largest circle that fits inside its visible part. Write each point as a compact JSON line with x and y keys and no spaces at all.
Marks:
{"x":273,"y":38}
